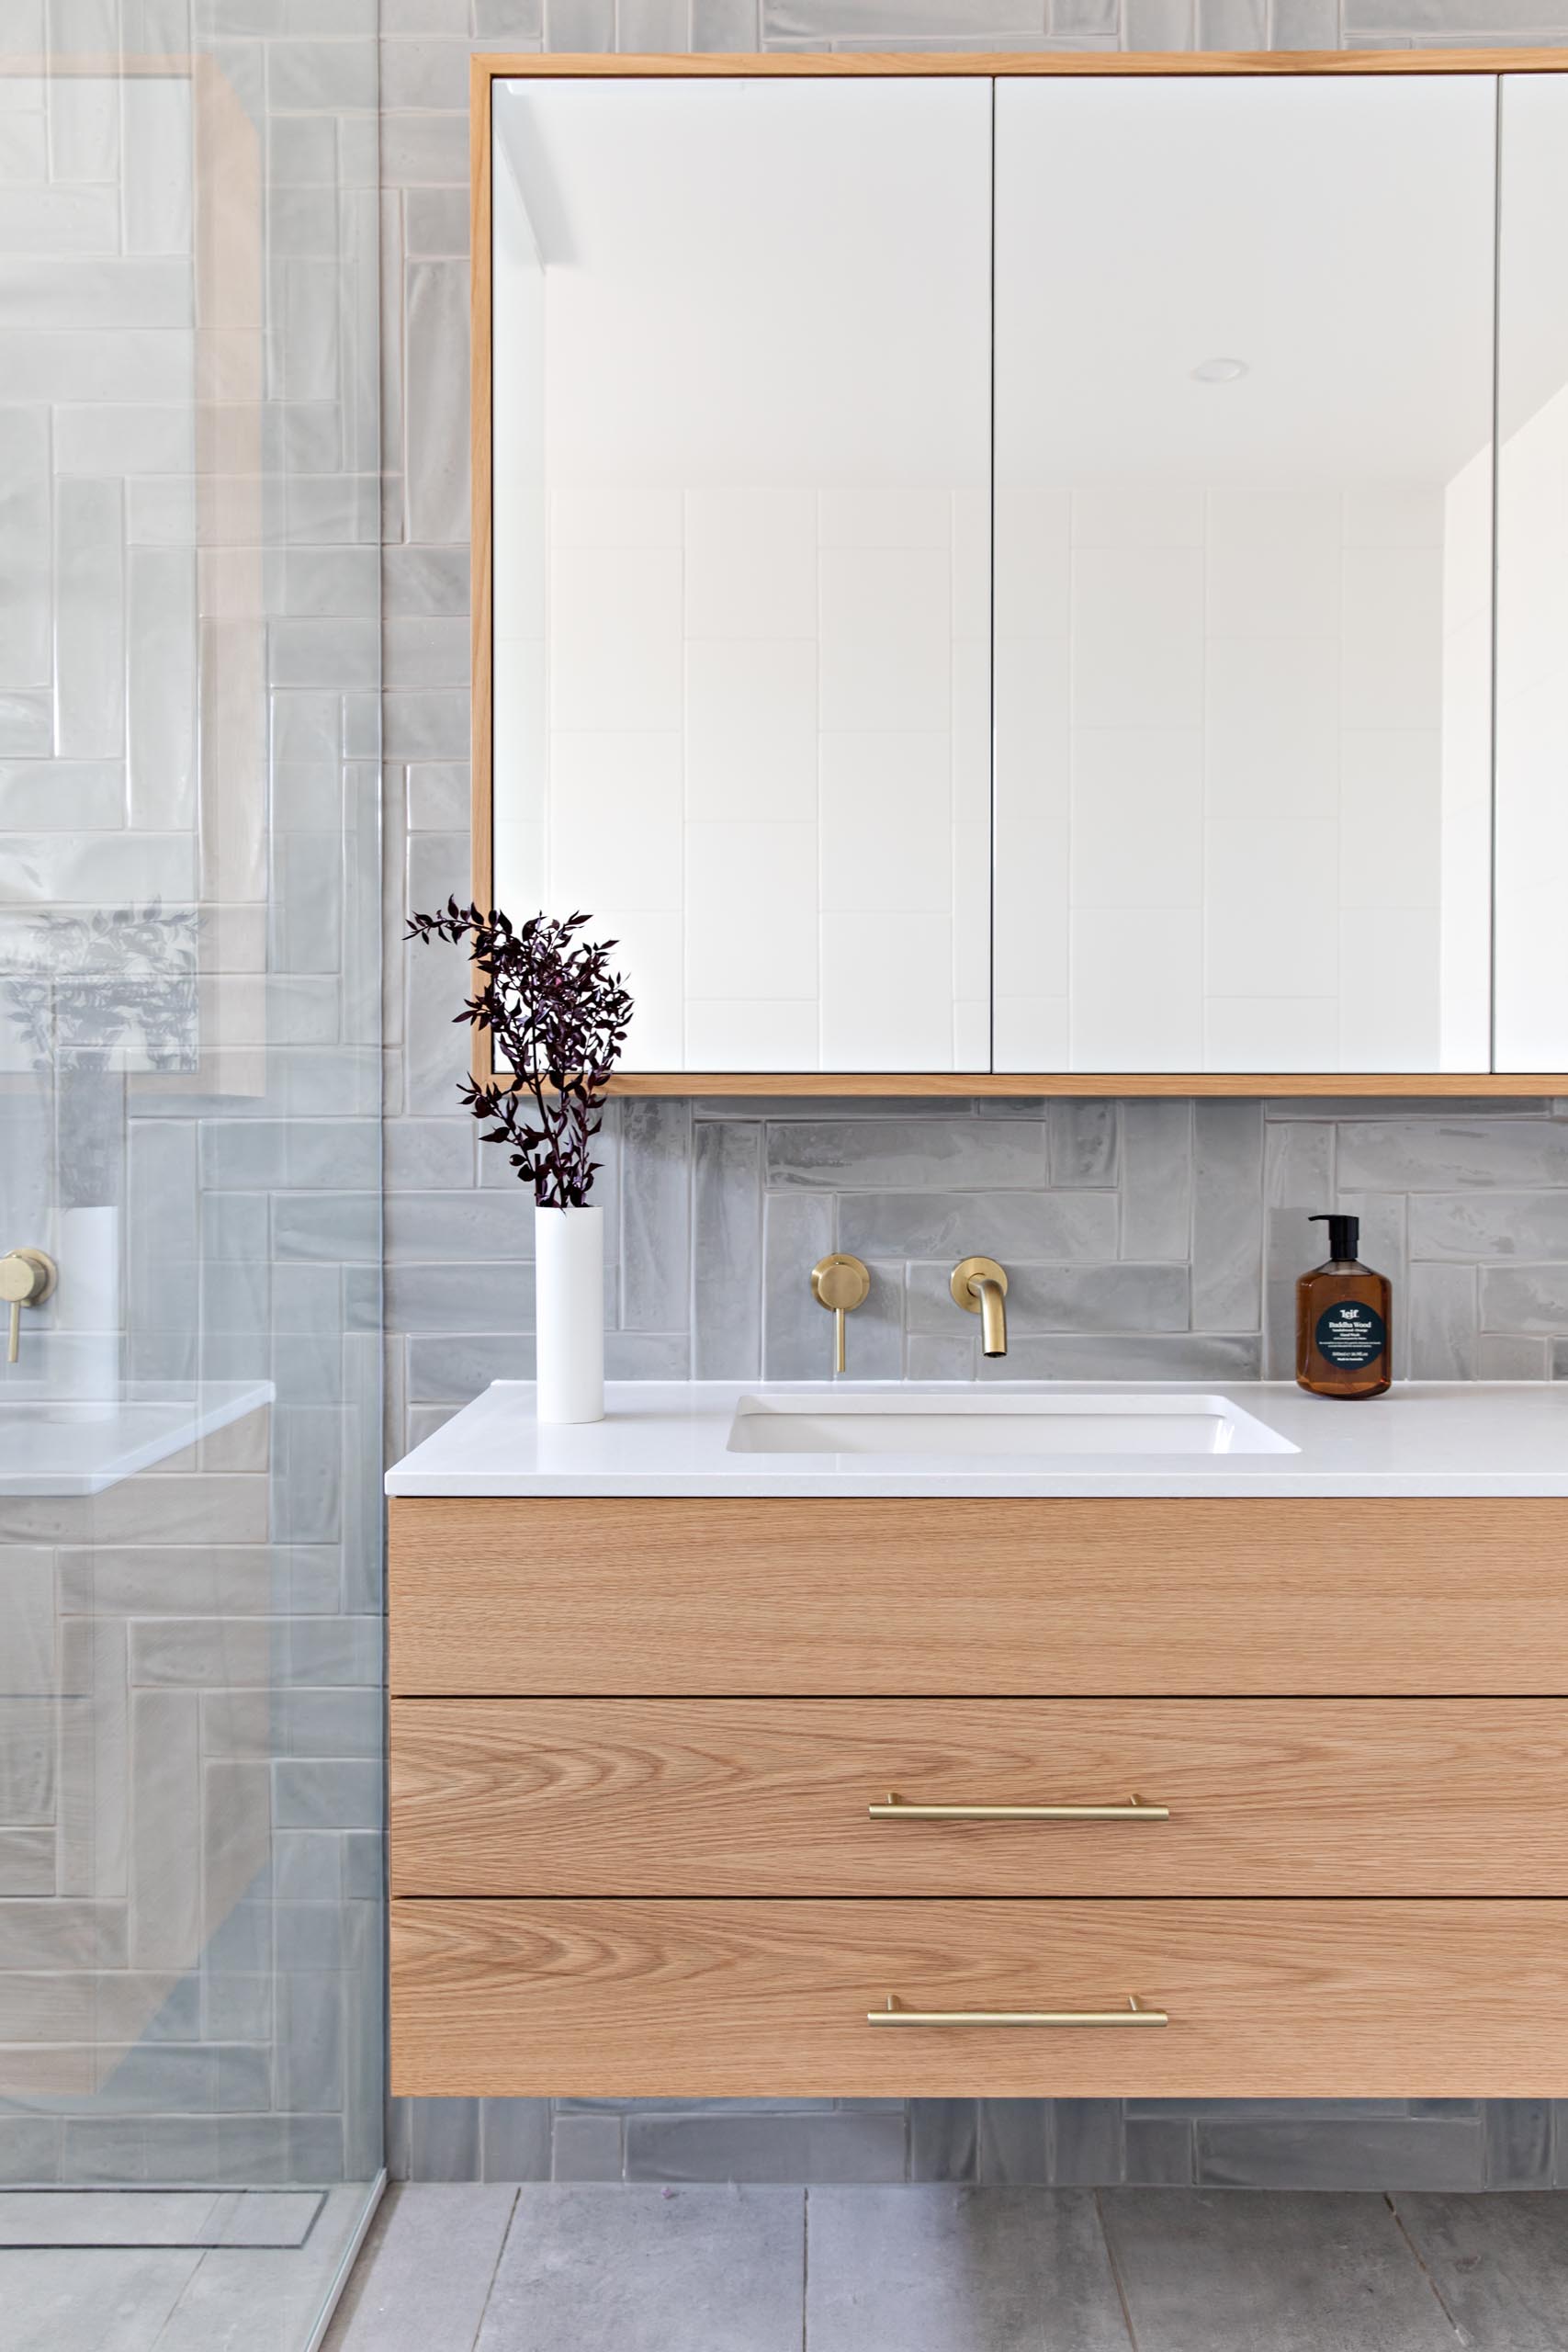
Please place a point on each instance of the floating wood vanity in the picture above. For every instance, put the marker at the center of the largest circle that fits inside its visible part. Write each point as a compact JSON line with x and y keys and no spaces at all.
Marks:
{"x":687,"y":1788}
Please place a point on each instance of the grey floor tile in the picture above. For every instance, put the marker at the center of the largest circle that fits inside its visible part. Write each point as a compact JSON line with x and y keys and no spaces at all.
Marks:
{"x":261,"y":2217}
{"x":426,"y":2269}
{"x":959,"y":2270}
{"x":636,"y":2270}
{"x":81,"y":2302}
{"x":1500,"y":2265}
{"x":1231,"y":2272}
{"x":243,"y":2299}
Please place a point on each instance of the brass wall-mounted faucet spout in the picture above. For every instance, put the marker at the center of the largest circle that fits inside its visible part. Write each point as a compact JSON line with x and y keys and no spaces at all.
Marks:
{"x":979,"y":1286}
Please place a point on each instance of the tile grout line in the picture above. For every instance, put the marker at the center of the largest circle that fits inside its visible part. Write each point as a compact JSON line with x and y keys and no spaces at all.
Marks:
{"x":1115,"y":2269}
{"x":495,"y":2269}
{"x":1416,"y":2257}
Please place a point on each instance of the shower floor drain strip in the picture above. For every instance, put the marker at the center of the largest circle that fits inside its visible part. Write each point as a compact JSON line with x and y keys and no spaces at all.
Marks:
{"x":157,"y":2217}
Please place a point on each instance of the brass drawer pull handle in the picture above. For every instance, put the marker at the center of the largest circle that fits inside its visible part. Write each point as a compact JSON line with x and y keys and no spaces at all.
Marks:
{"x":1134,"y":2014}
{"x":896,"y":1809}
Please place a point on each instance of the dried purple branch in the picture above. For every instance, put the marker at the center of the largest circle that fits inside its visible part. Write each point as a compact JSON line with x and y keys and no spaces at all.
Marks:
{"x":558,"y":1017}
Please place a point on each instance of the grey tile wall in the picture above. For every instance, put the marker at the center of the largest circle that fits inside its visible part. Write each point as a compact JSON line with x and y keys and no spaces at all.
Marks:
{"x":190,"y":1861}
{"x":1145,"y":1238}
{"x":1142,"y":1239}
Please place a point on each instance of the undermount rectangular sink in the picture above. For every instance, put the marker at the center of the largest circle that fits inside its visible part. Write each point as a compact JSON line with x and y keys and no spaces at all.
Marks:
{"x":1034,"y":1423}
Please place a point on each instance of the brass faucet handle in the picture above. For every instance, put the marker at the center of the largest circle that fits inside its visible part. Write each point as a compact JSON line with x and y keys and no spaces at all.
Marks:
{"x":840,"y":1283}
{"x":27,"y":1278}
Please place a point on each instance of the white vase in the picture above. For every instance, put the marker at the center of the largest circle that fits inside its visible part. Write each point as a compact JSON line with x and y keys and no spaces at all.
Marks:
{"x":569,"y":1313}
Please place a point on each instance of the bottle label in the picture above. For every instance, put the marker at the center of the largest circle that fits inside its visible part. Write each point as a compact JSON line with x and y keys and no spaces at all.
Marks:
{"x":1350,"y":1334}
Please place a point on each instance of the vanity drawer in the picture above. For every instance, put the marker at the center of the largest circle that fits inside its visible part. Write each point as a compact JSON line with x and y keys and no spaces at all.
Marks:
{"x":771,"y":1796}
{"x":714,"y":1999}
{"x":1046,"y":1596}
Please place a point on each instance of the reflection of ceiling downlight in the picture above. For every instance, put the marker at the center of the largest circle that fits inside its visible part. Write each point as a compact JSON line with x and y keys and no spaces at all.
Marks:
{"x":1219,"y":371}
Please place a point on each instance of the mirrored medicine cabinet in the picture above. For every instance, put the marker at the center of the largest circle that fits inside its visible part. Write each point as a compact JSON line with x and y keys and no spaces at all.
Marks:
{"x":1029,"y":572}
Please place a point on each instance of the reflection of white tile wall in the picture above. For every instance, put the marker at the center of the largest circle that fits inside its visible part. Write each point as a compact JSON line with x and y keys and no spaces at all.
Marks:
{"x":1465,"y":855}
{"x":767,"y":769}
{"x":1532,"y":729}
{"x":1218,"y":735}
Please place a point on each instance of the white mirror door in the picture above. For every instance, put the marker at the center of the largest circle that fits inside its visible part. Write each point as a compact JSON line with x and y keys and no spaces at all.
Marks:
{"x":741,"y":556}
{"x":1244,"y":335}
{"x":1531,"y":1012}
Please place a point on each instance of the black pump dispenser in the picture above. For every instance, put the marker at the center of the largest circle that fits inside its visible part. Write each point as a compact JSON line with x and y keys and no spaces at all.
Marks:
{"x":1344,"y":1236}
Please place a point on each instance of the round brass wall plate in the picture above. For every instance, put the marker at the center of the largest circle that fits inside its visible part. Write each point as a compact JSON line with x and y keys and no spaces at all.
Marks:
{"x":967,"y":1271}
{"x":28,"y":1276}
{"x":840,"y":1283}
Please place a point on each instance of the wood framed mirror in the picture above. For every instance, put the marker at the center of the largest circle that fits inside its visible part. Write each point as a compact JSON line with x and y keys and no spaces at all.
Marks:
{"x":959,"y":648}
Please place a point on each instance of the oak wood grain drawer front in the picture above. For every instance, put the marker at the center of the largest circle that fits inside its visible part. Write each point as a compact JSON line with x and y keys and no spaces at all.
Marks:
{"x":1287,"y":2000}
{"x":1039,"y":1598}
{"x":772,"y":1796}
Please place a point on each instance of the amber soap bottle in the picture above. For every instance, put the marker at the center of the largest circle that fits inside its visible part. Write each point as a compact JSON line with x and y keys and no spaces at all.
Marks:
{"x":1342,"y":1318}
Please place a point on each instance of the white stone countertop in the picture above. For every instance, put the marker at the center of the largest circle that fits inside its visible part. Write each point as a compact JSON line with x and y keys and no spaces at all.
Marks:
{"x":659,"y":1438}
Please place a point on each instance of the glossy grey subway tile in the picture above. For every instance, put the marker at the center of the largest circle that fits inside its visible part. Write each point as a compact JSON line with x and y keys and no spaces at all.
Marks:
{"x":1364,"y":2152}
{"x":1085,"y":1141}
{"x":1477,"y":1227}
{"x":1227,"y":1216}
{"x":656,"y":1213}
{"x":1521,"y":2143}
{"x":797,"y":1334}
{"x":1432,"y":1154}
{"x":726,"y":2146}
{"x":426,"y":579}
{"x":888,"y":1155}
{"x":444,"y":2139}
{"x":1525,"y":1299}
{"x":1442,"y":1307}
{"x":461,"y":1226}
{"x":515,"y":2137}
{"x":1100,"y":1300}
{"x":1157,"y":1180}
{"x":1158,"y":2151}
{"x":1060,"y":1228}
{"x":943,"y":2139}
{"x":28,"y":1862}
{"x":727,"y":1244}
{"x":29,"y":2149}
{"x":1014,"y":2142}
{"x":1153,"y":1355}
{"x":588,"y":2147}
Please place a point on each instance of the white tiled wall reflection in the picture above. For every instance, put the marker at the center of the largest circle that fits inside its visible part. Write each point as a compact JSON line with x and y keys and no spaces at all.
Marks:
{"x":761,"y":757}
{"x":1221,"y":781}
